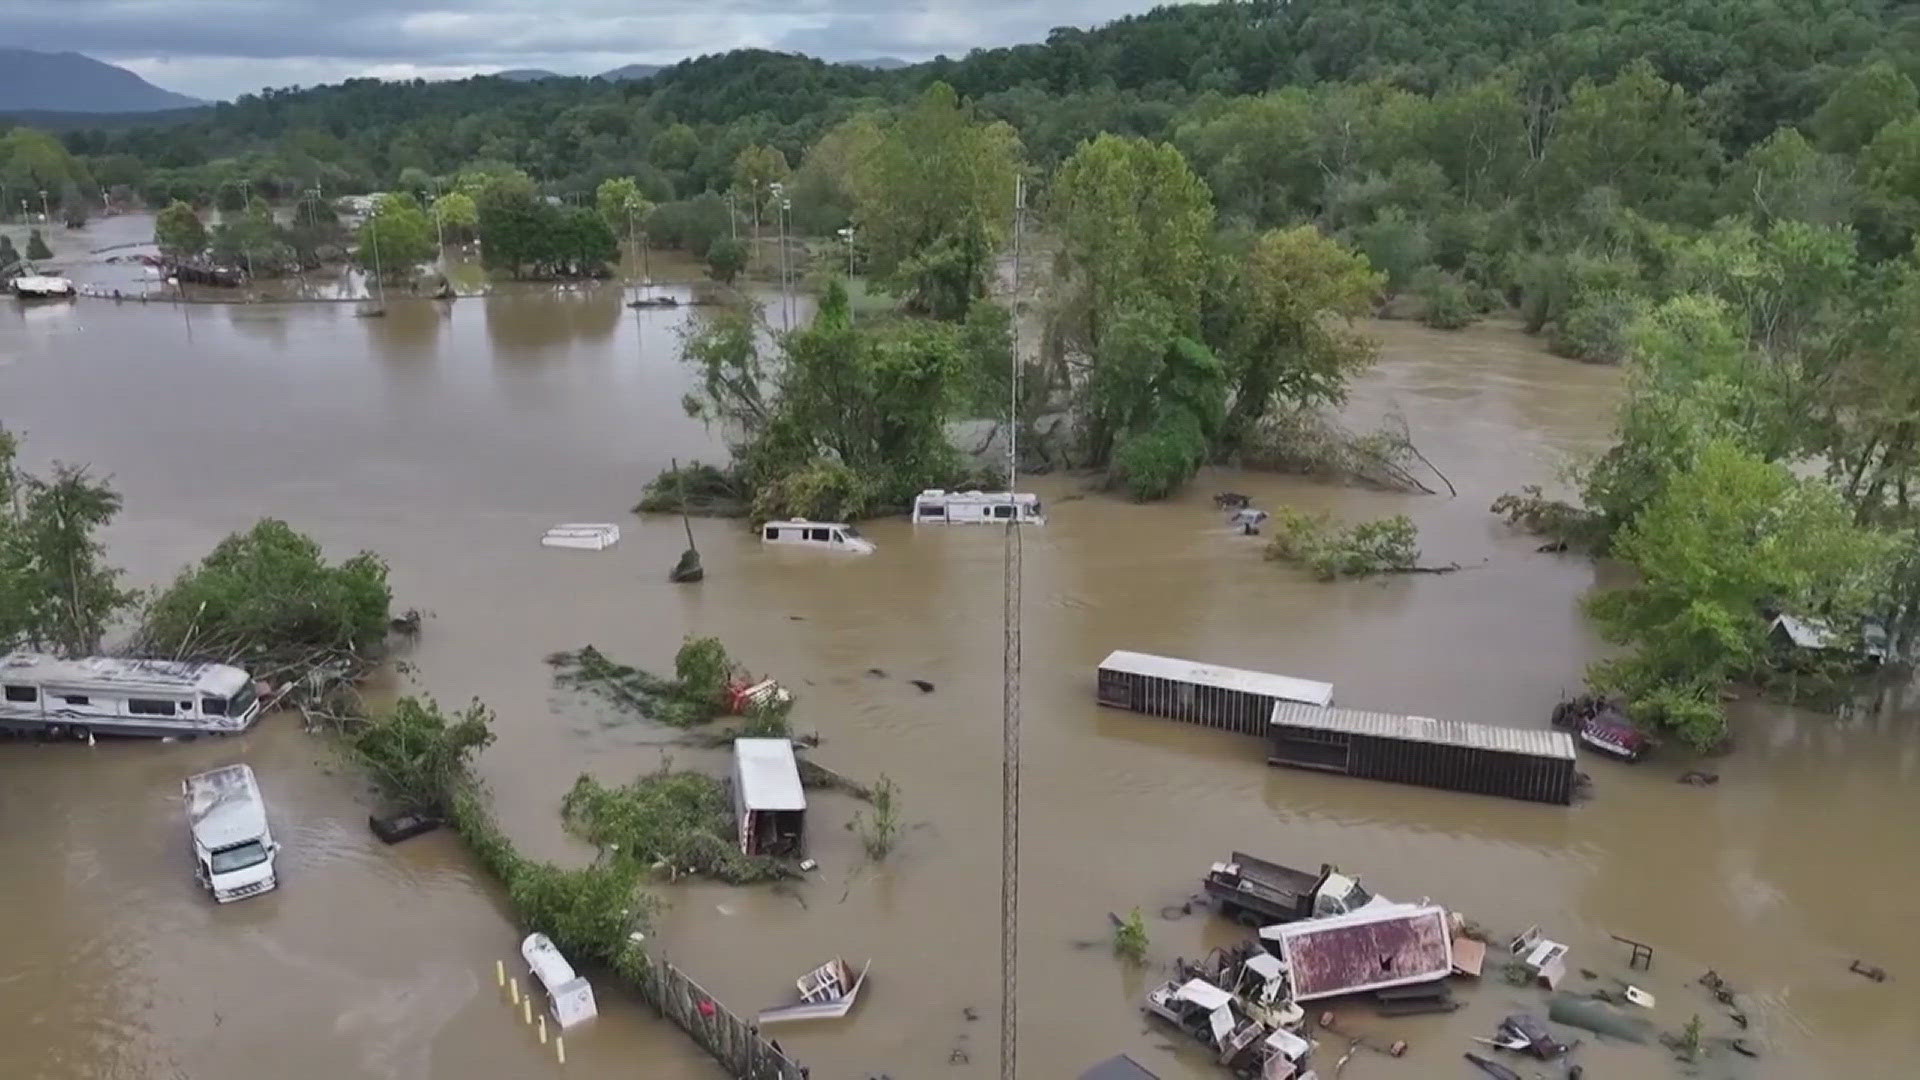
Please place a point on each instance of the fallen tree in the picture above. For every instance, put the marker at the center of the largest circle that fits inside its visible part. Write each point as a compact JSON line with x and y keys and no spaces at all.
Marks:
{"x":698,"y":693}
{"x":672,"y":820}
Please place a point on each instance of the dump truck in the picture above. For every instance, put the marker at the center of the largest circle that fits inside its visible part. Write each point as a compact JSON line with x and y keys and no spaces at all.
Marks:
{"x":1260,"y":893}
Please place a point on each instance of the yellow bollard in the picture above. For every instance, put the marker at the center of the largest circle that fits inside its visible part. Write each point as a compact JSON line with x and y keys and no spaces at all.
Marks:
{"x":500,"y":972}
{"x":560,"y":1048}
{"x":514,"y":986}
{"x":543,"y":1029}
{"x":526,"y":1009}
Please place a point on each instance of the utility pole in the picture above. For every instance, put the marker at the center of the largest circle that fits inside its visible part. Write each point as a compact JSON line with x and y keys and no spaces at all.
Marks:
{"x":780,"y":206}
{"x":847,"y":235}
{"x":1010,"y":692}
{"x":439,"y":231}
{"x":46,"y":215}
{"x":379,"y":282}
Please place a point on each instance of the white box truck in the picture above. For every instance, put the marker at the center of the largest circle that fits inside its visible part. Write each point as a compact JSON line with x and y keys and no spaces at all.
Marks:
{"x":233,"y":851}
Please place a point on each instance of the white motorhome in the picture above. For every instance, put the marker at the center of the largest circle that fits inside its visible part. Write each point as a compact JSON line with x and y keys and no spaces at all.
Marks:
{"x":836,"y":536}
{"x":233,"y":850}
{"x":45,"y":695}
{"x":937,"y":507}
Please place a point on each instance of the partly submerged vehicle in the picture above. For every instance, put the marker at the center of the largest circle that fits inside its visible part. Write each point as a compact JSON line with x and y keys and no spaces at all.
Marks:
{"x":833,"y":535}
{"x":1601,"y":725}
{"x":233,"y":850}
{"x":826,"y":993}
{"x":935,"y":506}
{"x":1258,"y":892}
{"x":1208,"y":1014}
{"x":585,"y":536}
{"x":569,"y":996}
{"x":46,"y":695}
{"x":42,"y":287}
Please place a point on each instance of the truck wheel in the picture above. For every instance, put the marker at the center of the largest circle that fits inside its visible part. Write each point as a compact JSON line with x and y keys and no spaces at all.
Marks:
{"x":81,"y":732}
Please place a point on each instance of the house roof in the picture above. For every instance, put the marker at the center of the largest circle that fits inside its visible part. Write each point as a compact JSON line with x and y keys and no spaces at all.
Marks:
{"x":1392,"y":946}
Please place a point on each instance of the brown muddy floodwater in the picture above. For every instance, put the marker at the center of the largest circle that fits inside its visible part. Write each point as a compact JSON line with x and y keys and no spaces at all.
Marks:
{"x":447,"y":437}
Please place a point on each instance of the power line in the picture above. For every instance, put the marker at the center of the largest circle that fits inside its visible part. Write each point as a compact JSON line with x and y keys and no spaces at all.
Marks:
{"x":1010,"y":690}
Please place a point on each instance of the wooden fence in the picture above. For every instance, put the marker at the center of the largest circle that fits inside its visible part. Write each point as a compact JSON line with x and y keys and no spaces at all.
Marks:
{"x":733,"y":1042}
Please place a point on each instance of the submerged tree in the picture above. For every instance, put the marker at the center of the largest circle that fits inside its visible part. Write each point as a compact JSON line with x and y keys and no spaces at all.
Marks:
{"x":56,"y":590}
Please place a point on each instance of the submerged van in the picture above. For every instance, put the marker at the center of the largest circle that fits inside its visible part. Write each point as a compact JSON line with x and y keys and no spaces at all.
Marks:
{"x":836,"y":536}
{"x":233,"y":850}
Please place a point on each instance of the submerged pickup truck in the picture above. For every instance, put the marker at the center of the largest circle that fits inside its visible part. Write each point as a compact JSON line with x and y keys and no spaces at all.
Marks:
{"x":1259,"y":893}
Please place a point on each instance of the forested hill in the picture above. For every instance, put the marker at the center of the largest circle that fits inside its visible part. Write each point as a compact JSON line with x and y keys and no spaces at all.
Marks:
{"x":1749,"y":66}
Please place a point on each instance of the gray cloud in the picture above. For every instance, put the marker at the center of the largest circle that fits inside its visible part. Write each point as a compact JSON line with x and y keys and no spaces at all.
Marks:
{"x":220,"y":48}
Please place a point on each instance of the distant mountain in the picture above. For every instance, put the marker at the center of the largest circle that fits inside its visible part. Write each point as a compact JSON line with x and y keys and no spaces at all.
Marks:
{"x":69,"y":82}
{"x":631,"y":71}
{"x":880,"y":63}
{"x":526,"y":74}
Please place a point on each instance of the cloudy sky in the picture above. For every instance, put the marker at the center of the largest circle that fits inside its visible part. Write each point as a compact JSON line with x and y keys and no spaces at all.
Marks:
{"x":219,"y":48}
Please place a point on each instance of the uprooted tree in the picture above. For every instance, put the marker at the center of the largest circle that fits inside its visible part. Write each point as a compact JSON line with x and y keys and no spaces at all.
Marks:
{"x":674,"y":820}
{"x":1330,"y":550}
{"x":56,"y":590}
{"x":698,"y":692}
{"x":267,"y":600}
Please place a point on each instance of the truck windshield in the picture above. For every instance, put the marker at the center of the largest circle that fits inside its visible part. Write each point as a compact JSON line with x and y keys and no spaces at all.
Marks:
{"x":239,"y":857}
{"x":241,"y":701}
{"x":1357,"y":897}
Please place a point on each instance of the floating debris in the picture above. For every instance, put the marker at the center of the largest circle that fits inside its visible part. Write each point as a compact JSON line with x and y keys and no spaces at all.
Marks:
{"x":827,"y":992}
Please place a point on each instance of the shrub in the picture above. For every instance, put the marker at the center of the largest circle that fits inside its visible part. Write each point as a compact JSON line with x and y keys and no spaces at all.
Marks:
{"x":820,"y":491}
{"x":879,"y":829}
{"x":1130,"y":938}
{"x":1596,"y":328}
{"x":419,"y":757}
{"x":695,"y":695}
{"x":1447,"y":304}
{"x":1331,"y":551}
{"x":673,"y":818}
{"x":1154,"y":463}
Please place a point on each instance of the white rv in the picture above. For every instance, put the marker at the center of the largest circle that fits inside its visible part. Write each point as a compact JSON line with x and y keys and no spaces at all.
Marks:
{"x":836,"y":536}
{"x":233,"y":850}
{"x":937,"y":507}
{"x":45,"y":695}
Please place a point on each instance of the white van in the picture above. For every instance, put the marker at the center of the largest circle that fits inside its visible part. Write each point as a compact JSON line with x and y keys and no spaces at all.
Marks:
{"x":937,"y":507}
{"x":233,"y":850}
{"x":837,"y":536}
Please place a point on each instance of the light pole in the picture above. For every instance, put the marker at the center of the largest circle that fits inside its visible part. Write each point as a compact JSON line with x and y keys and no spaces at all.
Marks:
{"x":847,"y":235}
{"x":781,"y":206}
{"x":439,"y":232}
{"x":46,"y":216}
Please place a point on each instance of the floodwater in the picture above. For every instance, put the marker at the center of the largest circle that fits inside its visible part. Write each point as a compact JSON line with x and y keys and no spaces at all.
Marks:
{"x":447,"y":437}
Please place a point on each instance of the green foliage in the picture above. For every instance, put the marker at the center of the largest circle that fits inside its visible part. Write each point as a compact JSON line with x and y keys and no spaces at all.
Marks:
{"x":820,"y":490}
{"x":620,"y":204}
{"x":418,"y":756}
{"x":527,"y":236}
{"x":879,"y":827}
{"x":56,"y":591}
{"x":1595,"y":327}
{"x":1288,"y":335}
{"x":588,"y":912}
{"x":1446,"y":303}
{"x":1130,"y":938}
{"x":725,"y":260}
{"x":1397,"y":246}
{"x":1330,"y":551}
{"x":8,"y":255}
{"x":701,"y":489}
{"x":1868,"y":99}
{"x":1727,"y":534}
{"x":396,"y":237}
{"x":179,"y":232}
{"x":694,"y":225}
{"x":1157,"y":461}
{"x":456,"y":215}
{"x":37,"y":246}
{"x":935,"y":196}
{"x":676,"y":820}
{"x":266,"y":599}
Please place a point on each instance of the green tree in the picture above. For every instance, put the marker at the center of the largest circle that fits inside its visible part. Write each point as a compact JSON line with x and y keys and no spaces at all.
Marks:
{"x":935,"y":199}
{"x":37,"y":246}
{"x":1638,"y":135}
{"x":55,"y":585}
{"x":756,"y":169}
{"x":397,"y":236}
{"x":33,"y":160}
{"x":621,"y":205}
{"x":8,"y":256}
{"x":674,"y":148}
{"x":1728,"y":534}
{"x":456,"y":215}
{"x":515,"y":228}
{"x":1868,"y":99}
{"x":725,"y":260}
{"x":1785,"y":178}
{"x":1891,"y":164}
{"x":1289,"y":337}
{"x":1134,"y":221}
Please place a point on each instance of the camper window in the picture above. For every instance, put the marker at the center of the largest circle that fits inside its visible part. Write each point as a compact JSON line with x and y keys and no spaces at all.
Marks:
{"x":817,"y":534}
{"x":239,"y":857}
{"x":213,"y":706}
{"x":78,"y":699}
{"x":1002,"y":510}
{"x":27,"y":694}
{"x":773,"y":533}
{"x":149,"y":707}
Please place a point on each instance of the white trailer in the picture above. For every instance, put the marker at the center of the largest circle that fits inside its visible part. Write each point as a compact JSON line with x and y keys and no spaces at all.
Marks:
{"x":45,"y":695}
{"x":937,"y":507}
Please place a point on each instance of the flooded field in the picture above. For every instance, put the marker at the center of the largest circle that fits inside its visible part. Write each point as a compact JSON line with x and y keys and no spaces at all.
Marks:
{"x":448,"y":437}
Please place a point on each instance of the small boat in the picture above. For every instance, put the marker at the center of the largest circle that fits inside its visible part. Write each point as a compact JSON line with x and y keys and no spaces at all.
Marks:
{"x":826,"y":993}
{"x":584,"y":537}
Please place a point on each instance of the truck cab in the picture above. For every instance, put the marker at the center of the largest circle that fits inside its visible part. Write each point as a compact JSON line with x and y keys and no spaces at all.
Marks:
{"x":233,"y":849}
{"x":1338,"y":894}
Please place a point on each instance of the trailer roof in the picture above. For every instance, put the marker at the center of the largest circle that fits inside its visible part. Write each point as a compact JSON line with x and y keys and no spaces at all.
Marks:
{"x":224,"y":807}
{"x":1284,"y":687}
{"x":128,"y":675}
{"x":1367,"y":950}
{"x":769,"y":776}
{"x":1532,"y":742}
